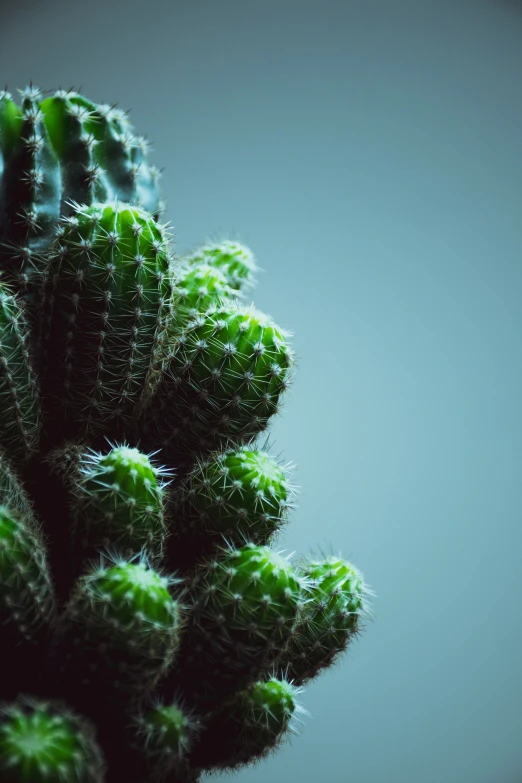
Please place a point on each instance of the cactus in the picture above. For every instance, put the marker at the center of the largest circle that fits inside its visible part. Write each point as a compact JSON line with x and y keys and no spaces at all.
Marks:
{"x":21,"y":422}
{"x":118,"y":501}
{"x":196,"y":289}
{"x":164,"y":735}
{"x":27,"y":602}
{"x":44,"y":742}
{"x":239,"y":495}
{"x":222,"y":381}
{"x":245,"y":605}
{"x":55,"y":151}
{"x":107,"y":294}
{"x":332,"y":618}
{"x":122,"y":623}
{"x":252,"y":724}
{"x":26,"y":592}
{"x":146,"y":612}
{"x":234,"y":260}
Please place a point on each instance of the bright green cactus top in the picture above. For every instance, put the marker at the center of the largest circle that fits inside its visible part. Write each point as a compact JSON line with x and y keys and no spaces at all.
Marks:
{"x":44,"y":743}
{"x":196,"y":289}
{"x":265,"y":709}
{"x":241,"y":493}
{"x":26,"y":591}
{"x":233,"y":259}
{"x":332,"y":616}
{"x":130,"y":595}
{"x":119,"y":501}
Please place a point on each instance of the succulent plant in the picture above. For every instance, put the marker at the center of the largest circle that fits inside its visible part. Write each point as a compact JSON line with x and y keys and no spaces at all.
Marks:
{"x":151,"y":630}
{"x":240,"y":495}
{"x":56,"y":151}
{"x":223,"y":379}
{"x":234,"y":260}
{"x":44,"y":742}
{"x":250,"y":725}
{"x":333,"y":616}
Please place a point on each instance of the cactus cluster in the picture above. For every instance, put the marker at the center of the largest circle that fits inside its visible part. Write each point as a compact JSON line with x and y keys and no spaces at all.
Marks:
{"x":152,"y":630}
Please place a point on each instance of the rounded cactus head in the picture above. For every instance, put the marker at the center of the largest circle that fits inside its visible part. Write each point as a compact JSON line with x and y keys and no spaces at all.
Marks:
{"x":242,"y":494}
{"x":223,"y":381}
{"x":128,"y":624}
{"x":43,"y":742}
{"x":233,"y":259}
{"x":119,"y":501}
{"x":332,"y":618}
{"x":249,"y":726}
{"x":196,"y":288}
{"x":246,"y":604}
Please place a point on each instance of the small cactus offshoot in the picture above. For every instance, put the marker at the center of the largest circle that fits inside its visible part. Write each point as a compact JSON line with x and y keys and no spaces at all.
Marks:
{"x":222,"y":381}
{"x":42,"y":742}
{"x":123,"y":617}
{"x":234,"y":260}
{"x":165,"y":733}
{"x":151,"y":630}
{"x":119,"y":500}
{"x":245,"y":605}
{"x":333,"y":616}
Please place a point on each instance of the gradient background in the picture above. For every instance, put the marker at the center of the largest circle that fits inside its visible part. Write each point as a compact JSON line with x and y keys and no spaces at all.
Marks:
{"x":370,"y":153}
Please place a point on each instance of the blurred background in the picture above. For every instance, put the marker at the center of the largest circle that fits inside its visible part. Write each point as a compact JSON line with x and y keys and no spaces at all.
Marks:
{"x":370,"y":154}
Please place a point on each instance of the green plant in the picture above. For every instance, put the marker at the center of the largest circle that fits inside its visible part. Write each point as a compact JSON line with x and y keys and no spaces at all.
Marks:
{"x":140,"y":584}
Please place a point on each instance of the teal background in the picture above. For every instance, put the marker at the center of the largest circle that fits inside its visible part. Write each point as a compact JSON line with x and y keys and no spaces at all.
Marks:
{"x":370,"y":153}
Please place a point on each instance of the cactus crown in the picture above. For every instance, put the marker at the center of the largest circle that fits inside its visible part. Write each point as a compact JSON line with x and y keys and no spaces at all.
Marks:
{"x":143,"y":604}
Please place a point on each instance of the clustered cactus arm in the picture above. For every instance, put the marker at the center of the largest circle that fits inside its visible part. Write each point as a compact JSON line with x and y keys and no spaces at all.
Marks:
{"x":152,"y":629}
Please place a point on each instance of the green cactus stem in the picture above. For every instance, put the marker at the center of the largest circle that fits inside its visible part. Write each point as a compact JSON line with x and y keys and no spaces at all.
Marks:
{"x":245,"y":606}
{"x":118,"y":501}
{"x":164,"y":734}
{"x":233,"y":259}
{"x":107,"y":298}
{"x":222,"y":382}
{"x":26,"y":592}
{"x":239,"y":495}
{"x":333,"y":617}
{"x":21,"y":422}
{"x":249,"y":726}
{"x":44,"y":742}
{"x":55,"y":151}
{"x":121,"y":627}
